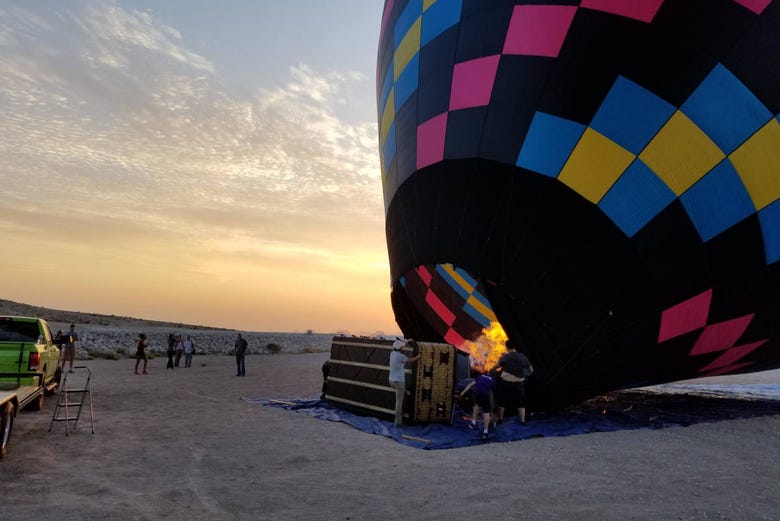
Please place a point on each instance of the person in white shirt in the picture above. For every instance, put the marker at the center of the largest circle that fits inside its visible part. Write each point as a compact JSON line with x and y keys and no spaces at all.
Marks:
{"x":189,"y":350}
{"x":397,"y":378}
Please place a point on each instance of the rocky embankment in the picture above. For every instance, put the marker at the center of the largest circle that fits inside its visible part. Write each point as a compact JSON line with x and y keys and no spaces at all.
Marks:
{"x":111,"y":336}
{"x":117,"y":342}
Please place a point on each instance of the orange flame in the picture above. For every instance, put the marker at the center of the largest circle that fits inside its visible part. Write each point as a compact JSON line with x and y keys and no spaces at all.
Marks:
{"x":485,"y":351}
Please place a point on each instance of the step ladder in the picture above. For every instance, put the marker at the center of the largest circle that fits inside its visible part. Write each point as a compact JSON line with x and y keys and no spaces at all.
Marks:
{"x":73,"y":396}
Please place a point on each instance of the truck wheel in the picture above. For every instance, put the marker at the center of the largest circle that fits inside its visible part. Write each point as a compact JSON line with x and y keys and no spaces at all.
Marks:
{"x":6,"y":424}
{"x":55,"y":383}
{"x":37,"y":404}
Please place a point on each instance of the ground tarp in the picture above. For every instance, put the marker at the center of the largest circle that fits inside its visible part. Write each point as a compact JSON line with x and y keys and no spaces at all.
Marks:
{"x":673,"y":405}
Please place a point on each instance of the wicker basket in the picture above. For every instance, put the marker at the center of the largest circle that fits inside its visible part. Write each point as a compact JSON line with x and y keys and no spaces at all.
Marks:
{"x":435,"y":380}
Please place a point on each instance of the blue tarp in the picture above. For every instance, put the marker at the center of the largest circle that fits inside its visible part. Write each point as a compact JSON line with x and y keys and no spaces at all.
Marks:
{"x":650,"y":408}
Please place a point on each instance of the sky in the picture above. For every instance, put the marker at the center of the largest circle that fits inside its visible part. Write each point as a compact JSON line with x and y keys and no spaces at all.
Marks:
{"x":194,"y":161}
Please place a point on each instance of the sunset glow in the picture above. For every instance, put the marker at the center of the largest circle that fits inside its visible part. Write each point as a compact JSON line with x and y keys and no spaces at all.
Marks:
{"x":155,"y":169}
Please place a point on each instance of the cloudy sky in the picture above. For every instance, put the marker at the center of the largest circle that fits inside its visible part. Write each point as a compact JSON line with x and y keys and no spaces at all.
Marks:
{"x":189,"y":160}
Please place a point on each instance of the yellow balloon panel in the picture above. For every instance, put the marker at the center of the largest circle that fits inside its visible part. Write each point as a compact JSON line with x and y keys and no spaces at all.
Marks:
{"x":680,"y":154}
{"x":758,"y":163}
{"x":388,"y":115}
{"x":409,"y":46}
{"x":594,"y":165}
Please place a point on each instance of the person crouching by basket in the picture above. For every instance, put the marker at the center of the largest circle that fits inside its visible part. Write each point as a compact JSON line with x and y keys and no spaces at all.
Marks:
{"x":483,"y":386}
{"x":397,"y":379}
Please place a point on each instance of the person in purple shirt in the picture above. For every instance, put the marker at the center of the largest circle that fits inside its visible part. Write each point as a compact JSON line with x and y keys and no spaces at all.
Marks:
{"x":482,"y":386}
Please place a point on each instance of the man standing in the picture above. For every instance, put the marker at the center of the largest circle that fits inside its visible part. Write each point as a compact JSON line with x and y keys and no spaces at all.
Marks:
{"x":510,"y":388}
{"x":69,"y":348}
{"x":397,"y":379}
{"x":241,"y":347}
{"x":189,"y":350}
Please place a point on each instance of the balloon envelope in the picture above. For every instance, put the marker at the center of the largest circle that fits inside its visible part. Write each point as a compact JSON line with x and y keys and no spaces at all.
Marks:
{"x":601,"y":177}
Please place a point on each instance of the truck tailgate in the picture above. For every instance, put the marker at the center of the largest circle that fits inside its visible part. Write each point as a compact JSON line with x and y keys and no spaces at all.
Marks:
{"x":25,"y":393}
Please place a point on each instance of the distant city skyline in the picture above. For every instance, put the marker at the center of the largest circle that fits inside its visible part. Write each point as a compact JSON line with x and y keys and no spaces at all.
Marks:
{"x":197,"y":162}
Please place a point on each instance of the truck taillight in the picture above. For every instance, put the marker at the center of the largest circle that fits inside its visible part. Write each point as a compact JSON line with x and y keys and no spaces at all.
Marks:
{"x":35,"y":361}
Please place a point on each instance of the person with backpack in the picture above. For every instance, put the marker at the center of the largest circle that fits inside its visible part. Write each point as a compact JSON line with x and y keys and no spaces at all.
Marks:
{"x":514,"y":368}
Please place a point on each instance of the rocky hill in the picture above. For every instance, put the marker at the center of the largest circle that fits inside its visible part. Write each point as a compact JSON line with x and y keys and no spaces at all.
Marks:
{"x":8,"y":307}
{"x":111,"y":336}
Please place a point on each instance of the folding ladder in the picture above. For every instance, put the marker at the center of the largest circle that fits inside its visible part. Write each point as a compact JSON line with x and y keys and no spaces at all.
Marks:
{"x":71,"y":400}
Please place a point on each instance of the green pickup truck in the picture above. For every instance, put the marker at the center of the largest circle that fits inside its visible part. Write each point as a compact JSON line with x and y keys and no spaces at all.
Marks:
{"x":29,"y":368}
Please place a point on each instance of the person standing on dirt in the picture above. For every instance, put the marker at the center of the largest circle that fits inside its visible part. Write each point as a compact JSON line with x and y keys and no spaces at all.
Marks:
{"x":140,"y":352}
{"x":189,"y":350}
{"x":241,"y":347}
{"x":170,"y":352}
{"x":179,"y":348}
{"x":69,"y":348}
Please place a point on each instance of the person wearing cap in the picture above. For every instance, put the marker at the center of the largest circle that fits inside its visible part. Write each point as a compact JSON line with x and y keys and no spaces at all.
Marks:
{"x":510,"y":388}
{"x":397,"y":379}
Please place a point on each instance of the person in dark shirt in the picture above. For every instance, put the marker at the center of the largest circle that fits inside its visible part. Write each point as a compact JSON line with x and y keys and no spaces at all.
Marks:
{"x":171,"y":351}
{"x":69,"y":348}
{"x":510,"y":388}
{"x":325,"y":372}
{"x":241,"y":347}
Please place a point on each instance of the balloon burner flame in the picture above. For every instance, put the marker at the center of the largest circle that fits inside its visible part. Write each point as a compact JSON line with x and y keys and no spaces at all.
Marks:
{"x":485,"y":351}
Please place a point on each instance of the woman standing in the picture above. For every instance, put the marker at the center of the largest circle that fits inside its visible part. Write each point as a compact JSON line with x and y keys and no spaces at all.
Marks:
{"x":140,"y":352}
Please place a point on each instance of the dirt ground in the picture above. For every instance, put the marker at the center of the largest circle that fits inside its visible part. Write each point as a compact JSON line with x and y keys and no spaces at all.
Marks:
{"x":183,"y":445}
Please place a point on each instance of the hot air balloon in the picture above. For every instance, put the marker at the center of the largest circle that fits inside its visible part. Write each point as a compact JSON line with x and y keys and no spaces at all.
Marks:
{"x":599,"y":177}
